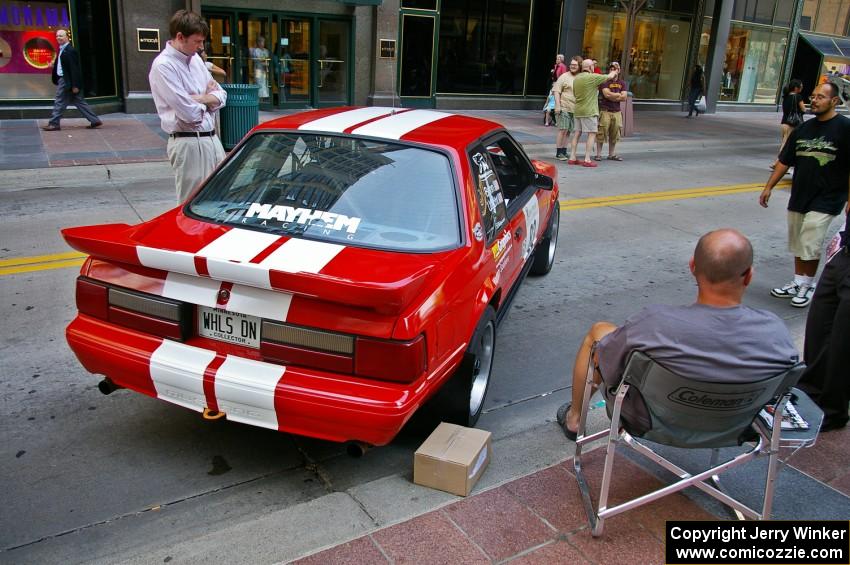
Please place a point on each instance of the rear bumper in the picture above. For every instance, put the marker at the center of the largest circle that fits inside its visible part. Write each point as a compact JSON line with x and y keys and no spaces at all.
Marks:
{"x":288,"y":399}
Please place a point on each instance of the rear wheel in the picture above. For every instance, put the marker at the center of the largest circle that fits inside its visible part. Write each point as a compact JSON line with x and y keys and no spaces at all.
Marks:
{"x":461,"y":400}
{"x":544,"y":254}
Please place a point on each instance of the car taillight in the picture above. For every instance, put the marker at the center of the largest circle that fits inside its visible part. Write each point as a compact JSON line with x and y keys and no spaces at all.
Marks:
{"x":390,"y":360}
{"x":92,"y":298}
{"x":295,"y":345}
{"x":150,"y":314}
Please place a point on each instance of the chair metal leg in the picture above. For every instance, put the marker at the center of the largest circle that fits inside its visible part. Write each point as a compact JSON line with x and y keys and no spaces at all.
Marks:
{"x":772,"y":459}
{"x":715,"y":480}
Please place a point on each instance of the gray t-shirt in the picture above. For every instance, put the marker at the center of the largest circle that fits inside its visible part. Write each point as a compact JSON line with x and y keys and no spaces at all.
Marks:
{"x":737,"y":344}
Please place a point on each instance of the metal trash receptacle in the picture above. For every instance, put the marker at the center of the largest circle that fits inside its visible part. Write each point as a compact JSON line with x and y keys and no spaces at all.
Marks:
{"x":240,"y":114}
{"x":628,"y":115}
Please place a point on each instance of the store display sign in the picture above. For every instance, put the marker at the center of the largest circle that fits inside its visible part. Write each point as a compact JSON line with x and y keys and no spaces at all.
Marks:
{"x":387,"y":48}
{"x":148,"y":39}
{"x":28,"y":35}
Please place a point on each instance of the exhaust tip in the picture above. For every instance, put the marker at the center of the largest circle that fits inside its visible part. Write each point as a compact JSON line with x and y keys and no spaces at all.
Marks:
{"x":356,"y":449}
{"x":106,"y":386}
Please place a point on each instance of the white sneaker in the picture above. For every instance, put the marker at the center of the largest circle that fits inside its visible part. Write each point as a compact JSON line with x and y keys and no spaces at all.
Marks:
{"x":790,"y":290}
{"x":804,"y":296}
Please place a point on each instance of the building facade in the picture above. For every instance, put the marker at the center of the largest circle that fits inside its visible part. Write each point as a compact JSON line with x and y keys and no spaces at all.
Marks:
{"x":430,"y":53}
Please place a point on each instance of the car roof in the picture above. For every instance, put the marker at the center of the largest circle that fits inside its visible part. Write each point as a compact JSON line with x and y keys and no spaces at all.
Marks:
{"x":429,"y":127}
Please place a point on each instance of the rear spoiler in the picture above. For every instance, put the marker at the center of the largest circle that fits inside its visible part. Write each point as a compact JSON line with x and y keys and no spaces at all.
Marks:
{"x":117,"y":242}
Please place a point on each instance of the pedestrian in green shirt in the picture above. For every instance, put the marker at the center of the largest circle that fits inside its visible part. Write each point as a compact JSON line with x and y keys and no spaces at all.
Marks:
{"x":585,"y":89}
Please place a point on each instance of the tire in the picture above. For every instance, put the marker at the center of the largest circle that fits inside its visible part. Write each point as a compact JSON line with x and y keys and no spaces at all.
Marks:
{"x":461,"y":400}
{"x":544,"y":253}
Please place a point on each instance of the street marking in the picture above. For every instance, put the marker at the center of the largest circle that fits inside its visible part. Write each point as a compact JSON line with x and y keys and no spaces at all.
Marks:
{"x":677,"y":194}
{"x":20,"y":265}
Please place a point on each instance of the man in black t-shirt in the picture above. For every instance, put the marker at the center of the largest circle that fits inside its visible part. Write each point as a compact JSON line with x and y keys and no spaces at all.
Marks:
{"x":819,"y":151}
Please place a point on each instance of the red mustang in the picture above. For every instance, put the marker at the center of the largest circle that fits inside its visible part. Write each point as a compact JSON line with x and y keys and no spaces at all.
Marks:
{"x":340,"y":268}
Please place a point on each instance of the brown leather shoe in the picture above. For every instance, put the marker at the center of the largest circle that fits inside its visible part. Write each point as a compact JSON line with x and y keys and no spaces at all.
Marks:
{"x":94,"y":125}
{"x":50,"y":127}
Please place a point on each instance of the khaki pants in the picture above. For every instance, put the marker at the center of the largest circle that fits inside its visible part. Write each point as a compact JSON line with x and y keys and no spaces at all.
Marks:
{"x":193,"y":159}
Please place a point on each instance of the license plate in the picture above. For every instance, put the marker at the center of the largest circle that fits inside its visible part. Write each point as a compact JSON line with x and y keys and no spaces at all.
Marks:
{"x":231,"y":327}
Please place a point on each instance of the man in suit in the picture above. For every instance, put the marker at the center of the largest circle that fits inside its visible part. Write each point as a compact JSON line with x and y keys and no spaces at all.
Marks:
{"x":68,"y":78}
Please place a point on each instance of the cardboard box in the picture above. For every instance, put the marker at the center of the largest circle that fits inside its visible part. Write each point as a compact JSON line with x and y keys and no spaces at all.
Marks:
{"x":452,"y":458}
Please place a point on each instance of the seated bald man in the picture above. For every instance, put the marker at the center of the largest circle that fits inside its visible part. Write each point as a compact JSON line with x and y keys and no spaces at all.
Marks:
{"x":714,"y":339}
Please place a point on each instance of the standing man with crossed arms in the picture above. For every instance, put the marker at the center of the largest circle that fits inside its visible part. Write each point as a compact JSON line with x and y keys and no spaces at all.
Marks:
{"x":186,"y":98}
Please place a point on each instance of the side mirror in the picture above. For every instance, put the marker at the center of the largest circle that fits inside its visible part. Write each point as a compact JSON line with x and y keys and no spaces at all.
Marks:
{"x":544,"y":182}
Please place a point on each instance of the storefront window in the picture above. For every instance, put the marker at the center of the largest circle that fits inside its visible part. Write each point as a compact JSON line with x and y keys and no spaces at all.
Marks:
{"x":482,"y":46}
{"x":658,"y":54}
{"x":28,"y":47}
{"x":753,"y":65}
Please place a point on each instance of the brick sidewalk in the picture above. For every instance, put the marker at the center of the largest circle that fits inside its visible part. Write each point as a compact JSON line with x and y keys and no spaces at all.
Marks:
{"x":539,"y":518}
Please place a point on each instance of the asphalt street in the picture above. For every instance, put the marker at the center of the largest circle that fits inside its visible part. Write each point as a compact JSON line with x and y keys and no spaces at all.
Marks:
{"x":93,"y":478}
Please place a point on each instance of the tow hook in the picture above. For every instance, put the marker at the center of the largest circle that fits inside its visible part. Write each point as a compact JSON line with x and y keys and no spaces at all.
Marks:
{"x":213,"y":414}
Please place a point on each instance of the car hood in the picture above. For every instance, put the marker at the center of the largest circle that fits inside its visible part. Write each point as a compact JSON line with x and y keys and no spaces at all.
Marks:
{"x":384,"y":281}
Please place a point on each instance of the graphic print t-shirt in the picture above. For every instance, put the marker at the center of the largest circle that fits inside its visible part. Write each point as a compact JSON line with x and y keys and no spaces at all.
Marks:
{"x":616,"y":86}
{"x":820,"y":155}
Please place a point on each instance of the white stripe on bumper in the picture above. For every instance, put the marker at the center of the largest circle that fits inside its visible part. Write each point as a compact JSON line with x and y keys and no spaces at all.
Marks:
{"x":245,"y":391}
{"x":177,"y":372}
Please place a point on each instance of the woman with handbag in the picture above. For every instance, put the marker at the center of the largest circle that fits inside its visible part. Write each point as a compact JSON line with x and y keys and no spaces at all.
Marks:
{"x":793,"y":109}
{"x":697,"y":90}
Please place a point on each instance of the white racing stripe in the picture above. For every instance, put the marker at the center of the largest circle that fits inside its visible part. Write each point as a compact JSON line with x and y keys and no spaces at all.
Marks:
{"x":344,"y":120}
{"x":195,"y":290}
{"x":269,"y":304}
{"x":244,"y":390}
{"x":177,"y":372}
{"x":238,"y":245}
{"x":395,"y":126}
{"x":301,"y":255}
{"x":174,"y":261}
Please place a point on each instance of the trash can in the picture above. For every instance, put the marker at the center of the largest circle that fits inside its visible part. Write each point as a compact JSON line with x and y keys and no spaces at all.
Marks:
{"x":240,"y":114}
{"x":628,"y":115}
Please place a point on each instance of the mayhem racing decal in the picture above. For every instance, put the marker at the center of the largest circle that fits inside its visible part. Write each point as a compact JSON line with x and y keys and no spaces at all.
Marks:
{"x":285,"y":216}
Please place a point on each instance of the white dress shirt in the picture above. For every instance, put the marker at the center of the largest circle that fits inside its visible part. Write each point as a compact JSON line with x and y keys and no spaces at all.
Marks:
{"x":174,"y":78}
{"x":59,"y":71}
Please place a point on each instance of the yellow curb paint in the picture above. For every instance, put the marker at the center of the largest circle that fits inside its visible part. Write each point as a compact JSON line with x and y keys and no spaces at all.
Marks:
{"x":40,"y":259}
{"x":40,"y":267}
{"x":677,"y":194}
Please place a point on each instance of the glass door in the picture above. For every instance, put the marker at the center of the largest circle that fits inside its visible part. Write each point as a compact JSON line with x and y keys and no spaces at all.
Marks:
{"x":219,"y":48}
{"x":333,"y":63}
{"x":293,"y":62}
{"x":254,"y":54}
{"x":416,"y":60}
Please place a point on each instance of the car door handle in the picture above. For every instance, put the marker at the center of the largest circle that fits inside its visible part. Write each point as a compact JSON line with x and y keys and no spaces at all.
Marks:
{"x":518,"y":233}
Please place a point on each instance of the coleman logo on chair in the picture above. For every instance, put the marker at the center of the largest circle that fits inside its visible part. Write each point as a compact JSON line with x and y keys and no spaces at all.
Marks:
{"x":714,"y":401}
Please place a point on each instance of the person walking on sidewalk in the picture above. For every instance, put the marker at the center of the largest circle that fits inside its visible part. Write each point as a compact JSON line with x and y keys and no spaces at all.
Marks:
{"x":187,"y":98}
{"x":825,"y":352}
{"x":696,"y":91}
{"x":715,"y":339}
{"x":612,"y":93}
{"x":793,"y":110}
{"x":68,"y":78}
{"x":565,"y":105}
{"x":819,"y":151}
{"x":586,"y":113}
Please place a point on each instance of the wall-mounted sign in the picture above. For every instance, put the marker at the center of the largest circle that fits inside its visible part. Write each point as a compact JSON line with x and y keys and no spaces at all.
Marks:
{"x":387,"y":48}
{"x":148,"y":39}
{"x":225,"y":40}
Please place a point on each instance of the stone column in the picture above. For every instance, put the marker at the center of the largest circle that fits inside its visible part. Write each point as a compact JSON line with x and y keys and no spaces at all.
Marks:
{"x":572,"y":28}
{"x":384,"y":71}
{"x":720,"y":24}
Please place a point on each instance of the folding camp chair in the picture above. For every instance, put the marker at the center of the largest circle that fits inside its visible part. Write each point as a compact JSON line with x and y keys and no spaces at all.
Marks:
{"x":687,"y":413}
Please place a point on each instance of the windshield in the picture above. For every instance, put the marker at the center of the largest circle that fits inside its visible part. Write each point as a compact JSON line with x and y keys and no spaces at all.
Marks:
{"x":337,"y":189}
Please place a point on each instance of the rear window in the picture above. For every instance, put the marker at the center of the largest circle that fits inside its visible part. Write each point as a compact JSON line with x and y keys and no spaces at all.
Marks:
{"x":338,"y":189}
